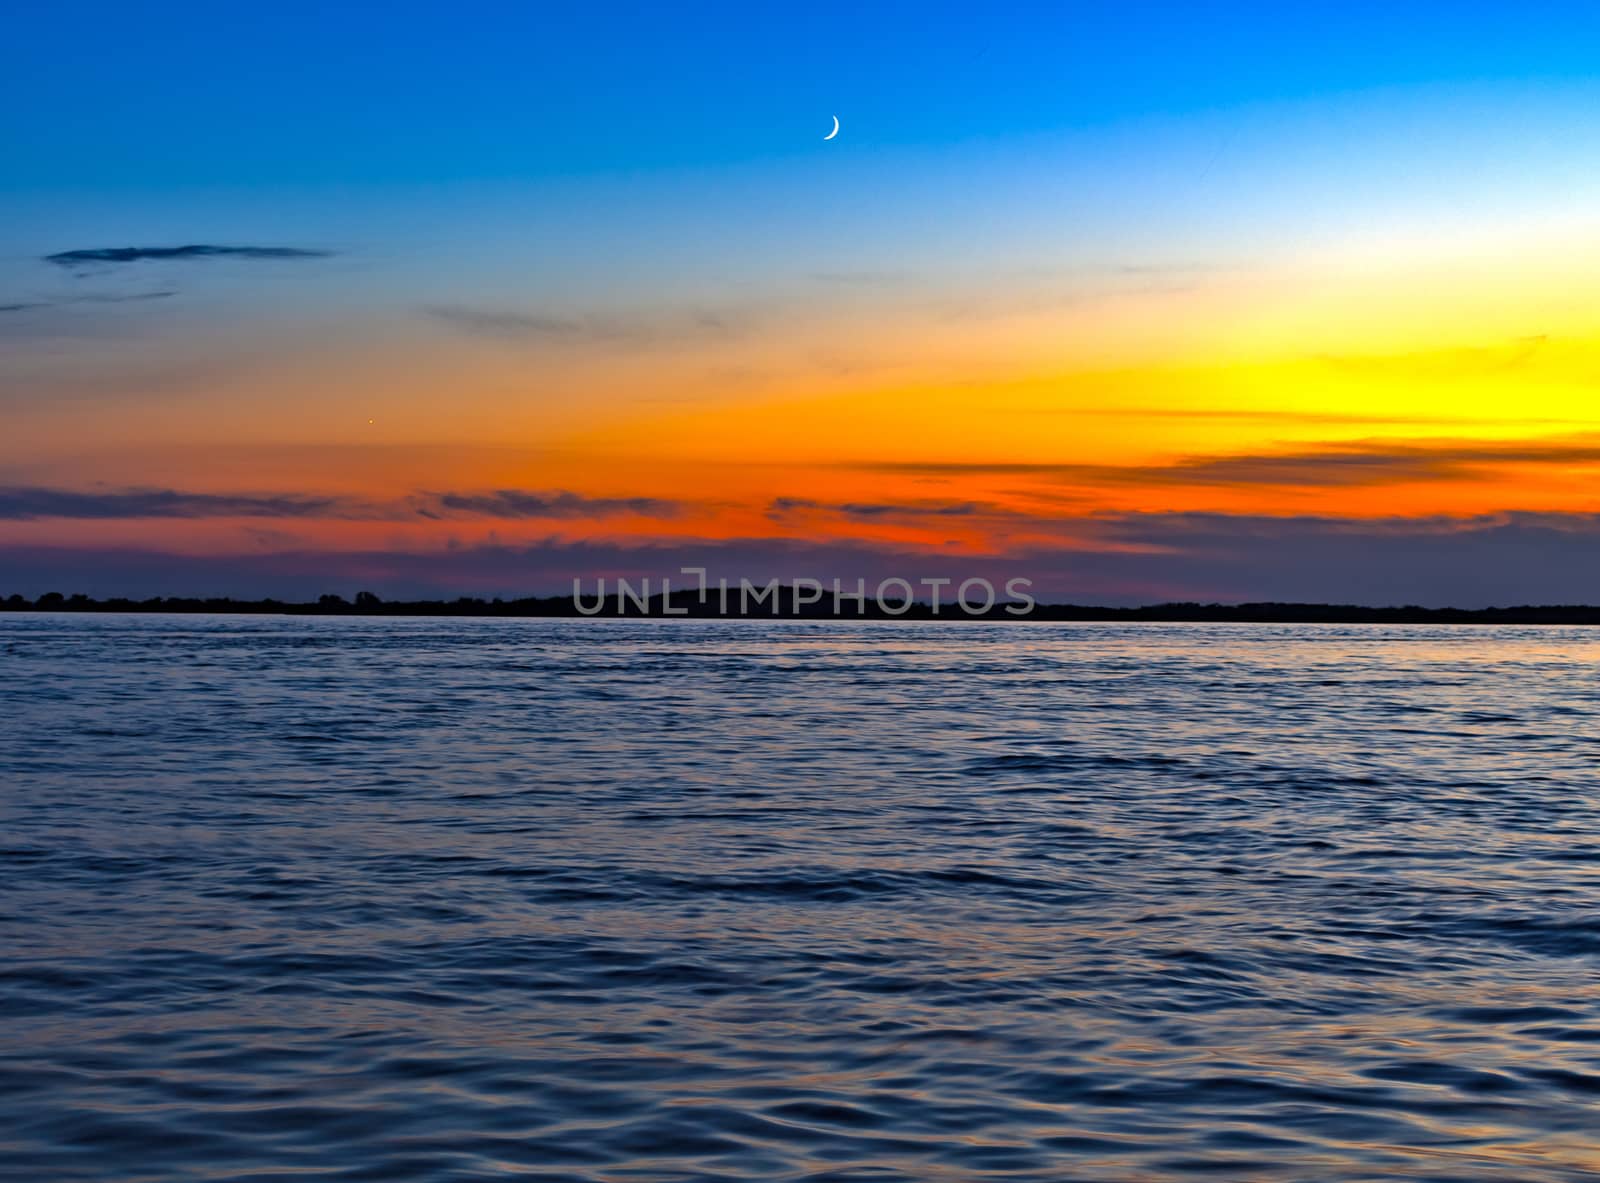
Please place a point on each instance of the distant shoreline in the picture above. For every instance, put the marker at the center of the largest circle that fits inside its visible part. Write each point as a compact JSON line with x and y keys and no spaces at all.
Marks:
{"x":686,"y":606}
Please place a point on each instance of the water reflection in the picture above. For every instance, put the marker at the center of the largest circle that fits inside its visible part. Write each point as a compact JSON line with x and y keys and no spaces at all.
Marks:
{"x":660,"y":900}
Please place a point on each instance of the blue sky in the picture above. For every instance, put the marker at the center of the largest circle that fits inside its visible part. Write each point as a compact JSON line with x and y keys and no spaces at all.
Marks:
{"x":689,"y":136}
{"x":121,"y":97}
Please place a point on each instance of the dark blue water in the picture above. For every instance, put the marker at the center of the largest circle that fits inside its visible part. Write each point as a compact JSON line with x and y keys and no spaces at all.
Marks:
{"x":468,"y":900}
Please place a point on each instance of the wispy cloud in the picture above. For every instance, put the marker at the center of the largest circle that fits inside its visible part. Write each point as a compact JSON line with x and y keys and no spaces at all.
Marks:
{"x":1332,"y":465}
{"x":782,"y":507}
{"x":520,"y":503}
{"x":1328,"y":418}
{"x":95,"y":257}
{"x":117,"y":298}
{"x":92,"y":298}
{"x":504,"y":324}
{"x":24,"y":503}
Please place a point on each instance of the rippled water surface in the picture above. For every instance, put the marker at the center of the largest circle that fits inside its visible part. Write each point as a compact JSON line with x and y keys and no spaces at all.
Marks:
{"x":304,"y":899}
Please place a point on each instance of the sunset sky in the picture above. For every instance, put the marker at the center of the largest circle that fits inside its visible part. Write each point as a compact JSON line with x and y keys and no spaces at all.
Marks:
{"x":1144,"y":302}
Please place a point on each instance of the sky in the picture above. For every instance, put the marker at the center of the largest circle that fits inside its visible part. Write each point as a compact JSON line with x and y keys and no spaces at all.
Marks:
{"x":1141,"y":302}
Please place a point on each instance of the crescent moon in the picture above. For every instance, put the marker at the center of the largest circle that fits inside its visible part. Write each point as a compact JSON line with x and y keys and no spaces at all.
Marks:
{"x":835,"y":130}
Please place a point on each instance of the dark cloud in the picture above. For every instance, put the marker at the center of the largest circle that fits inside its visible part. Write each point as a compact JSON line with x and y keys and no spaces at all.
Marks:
{"x":104,"y":256}
{"x":1139,"y":558}
{"x":544,"y":567}
{"x":1335,"y":465}
{"x":519,"y":503}
{"x":1380,"y":462}
{"x":1498,"y":559}
{"x":891,"y":509}
{"x":783,"y":506}
{"x":1325,"y":469}
{"x":23,"y":503}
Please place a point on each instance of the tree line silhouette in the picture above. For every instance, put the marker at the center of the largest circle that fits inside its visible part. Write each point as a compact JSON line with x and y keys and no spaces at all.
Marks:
{"x":687,"y":605}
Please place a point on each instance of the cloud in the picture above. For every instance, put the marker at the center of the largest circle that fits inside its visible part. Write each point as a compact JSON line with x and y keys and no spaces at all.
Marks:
{"x":1317,"y":469}
{"x":541,"y":567}
{"x":90,"y":298}
{"x":502,"y":324}
{"x":1481,"y":561}
{"x":518,"y":503}
{"x":25,"y":503}
{"x":1375,"y":462}
{"x":1341,"y":464}
{"x":1266,"y":415}
{"x":110,"y":265}
{"x":781,"y":507}
{"x":116,"y":298}
{"x":1506,"y":559}
{"x":106,"y":256}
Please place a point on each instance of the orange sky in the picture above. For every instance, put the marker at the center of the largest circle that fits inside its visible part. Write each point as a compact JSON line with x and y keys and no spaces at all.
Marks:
{"x":1003,"y":373}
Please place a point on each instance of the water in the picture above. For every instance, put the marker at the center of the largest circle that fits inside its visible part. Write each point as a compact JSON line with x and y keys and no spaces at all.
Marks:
{"x":306,"y":899}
